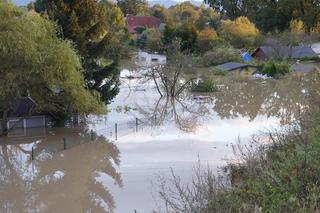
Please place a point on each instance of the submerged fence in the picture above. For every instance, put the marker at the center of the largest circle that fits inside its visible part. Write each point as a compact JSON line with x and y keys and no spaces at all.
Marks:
{"x":110,"y":132}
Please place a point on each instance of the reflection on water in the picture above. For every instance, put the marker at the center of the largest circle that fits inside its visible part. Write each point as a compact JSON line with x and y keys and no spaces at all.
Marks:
{"x":186,"y":115}
{"x":172,"y":133}
{"x":282,"y":99}
{"x":245,"y":101}
{"x":58,"y":181}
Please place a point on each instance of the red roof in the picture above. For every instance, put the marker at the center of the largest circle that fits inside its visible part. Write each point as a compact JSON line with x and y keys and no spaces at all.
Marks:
{"x":142,"y":21}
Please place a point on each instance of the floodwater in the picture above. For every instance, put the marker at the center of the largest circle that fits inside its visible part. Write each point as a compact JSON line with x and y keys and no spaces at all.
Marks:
{"x":142,"y":139}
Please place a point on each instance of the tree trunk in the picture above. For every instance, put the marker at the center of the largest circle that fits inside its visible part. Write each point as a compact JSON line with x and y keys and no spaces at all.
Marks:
{"x":4,"y":123}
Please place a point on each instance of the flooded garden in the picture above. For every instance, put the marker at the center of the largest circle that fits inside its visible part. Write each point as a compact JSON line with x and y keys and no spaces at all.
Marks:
{"x":115,"y":162}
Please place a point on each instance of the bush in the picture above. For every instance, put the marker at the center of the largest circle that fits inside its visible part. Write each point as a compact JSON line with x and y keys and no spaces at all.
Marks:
{"x":207,"y":85}
{"x":218,"y":71}
{"x":274,"y":69}
{"x":219,"y":56}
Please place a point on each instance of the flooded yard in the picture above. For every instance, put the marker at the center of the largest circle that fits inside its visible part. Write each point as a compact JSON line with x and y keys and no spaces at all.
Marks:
{"x":141,"y":140}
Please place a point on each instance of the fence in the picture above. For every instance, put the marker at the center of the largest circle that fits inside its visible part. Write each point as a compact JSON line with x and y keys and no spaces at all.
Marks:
{"x":111,"y":132}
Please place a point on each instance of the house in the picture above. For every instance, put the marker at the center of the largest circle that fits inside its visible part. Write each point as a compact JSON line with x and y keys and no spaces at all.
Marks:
{"x":136,"y":22}
{"x":19,"y":118}
{"x":237,"y":67}
{"x":148,"y":60}
{"x":282,"y":52}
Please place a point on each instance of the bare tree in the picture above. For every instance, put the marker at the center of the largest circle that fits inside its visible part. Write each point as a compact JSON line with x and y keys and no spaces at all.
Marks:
{"x":169,"y":78}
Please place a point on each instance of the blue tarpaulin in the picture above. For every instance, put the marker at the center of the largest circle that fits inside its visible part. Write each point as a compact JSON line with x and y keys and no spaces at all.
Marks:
{"x":246,"y":57}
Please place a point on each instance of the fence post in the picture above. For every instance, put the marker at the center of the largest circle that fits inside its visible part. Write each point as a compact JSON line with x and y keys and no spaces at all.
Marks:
{"x":116,"y":131}
{"x":32,"y":153}
{"x":91,"y":135}
{"x":137,"y":123}
{"x":64,"y":143}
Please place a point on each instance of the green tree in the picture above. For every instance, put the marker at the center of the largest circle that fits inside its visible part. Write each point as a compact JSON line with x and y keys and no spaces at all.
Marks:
{"x":162,"y":13}
{"x":185,"y":12}
{"x":36,"y":63}
{"x":188,"y":35}
{"x":153,"y":40}
{"x":168,"y":34}
{"x":270,"y":15}
{"x":97,"y":29}
{"x":209,"y":17}
{"x":134,"y":7}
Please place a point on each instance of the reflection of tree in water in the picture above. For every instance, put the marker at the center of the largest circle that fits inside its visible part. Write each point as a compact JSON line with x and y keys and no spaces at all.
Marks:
{"x":186,"y":114}
{"x":63,"y":182}
{"x":284,"y":99}
{"x":281,"y":98}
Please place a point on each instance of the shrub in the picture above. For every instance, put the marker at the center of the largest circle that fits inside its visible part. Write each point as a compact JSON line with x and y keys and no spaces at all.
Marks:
{"x":207,"y":85}
{"x":274,"y":69}
{"x":219,"y":56}
{"x":218,"y":71}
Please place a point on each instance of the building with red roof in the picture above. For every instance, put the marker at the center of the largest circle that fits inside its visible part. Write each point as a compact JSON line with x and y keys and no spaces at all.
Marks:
{"x":135,"y":22}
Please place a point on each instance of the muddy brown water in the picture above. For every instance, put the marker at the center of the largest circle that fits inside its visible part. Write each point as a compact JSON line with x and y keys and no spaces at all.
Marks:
{"x":154,"y":137}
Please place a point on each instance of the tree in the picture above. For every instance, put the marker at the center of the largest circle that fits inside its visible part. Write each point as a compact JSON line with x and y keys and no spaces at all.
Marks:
{"x":240,"y":32}
{"x":185,"y":12}
{"x":270,"y":15}
{"x":36,"y":63}
{"x":153,"y":40}
{"x":206,"y":39}
{"x":162,"y":13}
{"x":297,"y":26}
{"x":188,"y":35}
{"x":168,"y":34}
{"x":97,"y":29}
{"x":168,"y":78}
{"x":209,"y":18}
{"x":134,"y":7}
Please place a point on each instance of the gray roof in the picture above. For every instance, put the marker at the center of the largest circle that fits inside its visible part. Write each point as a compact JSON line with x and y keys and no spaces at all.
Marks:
{"x":21,"y":107}
{"x":288,"y":52}
{"x":233,"y":66}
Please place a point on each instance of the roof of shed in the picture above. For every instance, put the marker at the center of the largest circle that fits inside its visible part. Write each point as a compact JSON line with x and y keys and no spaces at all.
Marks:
{"x":233,"y":66}
{"x":287,"y":52}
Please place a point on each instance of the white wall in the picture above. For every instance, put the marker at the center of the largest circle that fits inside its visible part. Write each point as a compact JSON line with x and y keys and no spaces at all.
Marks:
{"x":146,"y":59}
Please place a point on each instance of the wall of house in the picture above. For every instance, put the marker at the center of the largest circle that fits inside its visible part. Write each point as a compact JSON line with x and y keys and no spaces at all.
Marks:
{"x":260,"y":55}
{"x":27,"y":127}
{"x":146,"y":59}
{"x":30,"y":122}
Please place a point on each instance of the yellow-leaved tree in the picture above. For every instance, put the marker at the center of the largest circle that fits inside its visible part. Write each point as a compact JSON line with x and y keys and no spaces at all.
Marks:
{"x":240,"y":32}
{"x":206,"y":39}
{"x":297,"y":26}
